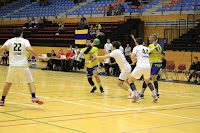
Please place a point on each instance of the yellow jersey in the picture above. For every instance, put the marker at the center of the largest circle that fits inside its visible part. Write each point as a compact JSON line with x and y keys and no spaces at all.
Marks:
{"x":89,"y":57}
{"x":155,"y":56}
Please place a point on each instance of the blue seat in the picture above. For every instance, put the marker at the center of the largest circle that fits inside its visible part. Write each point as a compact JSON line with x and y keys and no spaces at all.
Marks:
{"x":190,"y":4}
{"x":101,"y":6}
{"x":151,"y":3}
{"x":171,"y":9}
{"x":189,"y":8}
{"x":157,"y":2}
{"x":196,"y":7}
{"x":196,"y":0}
{"x":165,"y":9}
{"x":177,"y":5}
{"x":184,"y":4}
{"x":196,"y":4}
{"x":150,"y":6}
{"x":145,"y":6}
{"x":158,"y":10}
{"x":184,"y":0}
{"x":137,"y":10}
{"x":183,"y":8}
{"x":190,"y":0}
{"x":176,"y":9}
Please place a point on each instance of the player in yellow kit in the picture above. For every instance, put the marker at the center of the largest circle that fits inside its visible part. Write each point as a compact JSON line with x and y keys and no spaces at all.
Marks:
{"x":92,"y":65}
{"x":155,"y":62}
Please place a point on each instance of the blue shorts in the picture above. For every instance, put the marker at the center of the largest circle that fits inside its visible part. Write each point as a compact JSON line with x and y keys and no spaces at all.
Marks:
{"x":90,"y":70}
{"x":155,"y":68}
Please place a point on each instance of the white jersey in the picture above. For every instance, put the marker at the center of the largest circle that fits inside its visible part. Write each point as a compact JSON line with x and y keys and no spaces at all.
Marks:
{"x":121,"y":48}
{"x":17,"y":51}
{"x":120,"y":59}
{"x":142,"y":54}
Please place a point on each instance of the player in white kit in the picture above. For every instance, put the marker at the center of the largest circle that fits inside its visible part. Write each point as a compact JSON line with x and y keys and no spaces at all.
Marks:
{"x":142,"y":67}
{"x":18,"y":65}
{"x":123,"y":65}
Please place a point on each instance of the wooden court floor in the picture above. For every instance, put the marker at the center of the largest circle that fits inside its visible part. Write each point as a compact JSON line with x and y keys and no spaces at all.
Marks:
{"x":70,"y":108}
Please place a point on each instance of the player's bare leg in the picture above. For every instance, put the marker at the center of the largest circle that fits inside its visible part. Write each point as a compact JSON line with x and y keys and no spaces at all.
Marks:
{"x":98,"y":80}
{"x":123,"y":86}
{"x":133,"y":87}
{"x":5,"y":92}
{"x":92,"y":84}
{"x":32,"y":91}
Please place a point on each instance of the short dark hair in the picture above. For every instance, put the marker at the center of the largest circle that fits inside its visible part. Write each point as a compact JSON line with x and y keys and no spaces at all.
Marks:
{"x":109,"y":50}
{"x":139,"y":41}
{"x":108,"y":38}
{"x":116,"y":44}
{"x":163,"y":53}
{"x":196,"y":58}
{"x":17,"y":32}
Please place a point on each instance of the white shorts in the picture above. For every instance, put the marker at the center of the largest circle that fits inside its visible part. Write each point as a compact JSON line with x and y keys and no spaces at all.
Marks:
{"x":124,"y":75}
{"x":19,"y":75}
{"x":138,"y":71}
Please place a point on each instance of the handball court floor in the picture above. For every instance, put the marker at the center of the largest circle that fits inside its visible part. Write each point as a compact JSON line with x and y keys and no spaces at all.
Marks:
{"x":70,"y":108}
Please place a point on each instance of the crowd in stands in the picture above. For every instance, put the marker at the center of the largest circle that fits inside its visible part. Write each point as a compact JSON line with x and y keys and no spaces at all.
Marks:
{"x":33,"y":23}
{"x":115,"y":10}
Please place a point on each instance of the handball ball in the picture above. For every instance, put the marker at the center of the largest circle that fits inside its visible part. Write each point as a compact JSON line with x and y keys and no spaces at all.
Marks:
{"x":96,"y":41}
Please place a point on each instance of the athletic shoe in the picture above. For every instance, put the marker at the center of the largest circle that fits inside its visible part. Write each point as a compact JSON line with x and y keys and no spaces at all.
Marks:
{"x":142,"y":96}
{"x":131,"y":96}
{"x":101,"y":89}
{"x":2,"y":103}
{"x":158,"y":95}
{"x":135,"y":98}
{"x":94,"y":88}
{"x":35,"y":100}
{"x":155,"y":98}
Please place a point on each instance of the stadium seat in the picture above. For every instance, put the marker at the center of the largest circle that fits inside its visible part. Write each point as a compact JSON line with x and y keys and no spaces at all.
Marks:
{"x":171,"y":9}
{"x":176,"y":9}
{"x":157,"y":2}
{"x":177,"y":5}
{"x":165,"y":9}
{"x":166,"y":5}
{"x":183,"y":8}
{"x":151,"y":3}
{"x":184,"y":4}
{"x":159,"y":9}
{"x":190,"y":0}
{"x":150,"y":6}
{"x":189,"y":8}
{"x":184,"y":0}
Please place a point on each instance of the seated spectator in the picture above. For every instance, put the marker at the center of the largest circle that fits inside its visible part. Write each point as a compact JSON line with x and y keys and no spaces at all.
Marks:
{"x":51,"y":62}
{"x":5,"y":57}
{"x":128,"y":53}
{"x":69,"y":53}
{"x":92,"y":32}
{"x":195,"y":70}
{"x":44,"y":20}
{"x":60,"y":53}
{"x":121,"y":9}
{"x":116,"y":9}
{"x":32,"y":23}
{"x":76,"y":61}
{"x":98,"y":26}
{"x":55,"y":21}
{"x":60,"y":29}
{"x":82,"y":20}
{"x":110,"y":10}
{"x":84,"y":24}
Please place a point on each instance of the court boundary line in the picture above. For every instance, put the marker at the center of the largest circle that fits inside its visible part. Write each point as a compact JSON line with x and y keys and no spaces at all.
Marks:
{"x":128,"y":109}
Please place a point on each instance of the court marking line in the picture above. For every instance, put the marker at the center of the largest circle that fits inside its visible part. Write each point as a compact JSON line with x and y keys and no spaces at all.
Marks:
{"x":98,"y":113}
{"x":40,"y":122}
{"x":25,"y":104}
{"x":81,"y":118}
{"x":161,"y":126}
{"x":136,"y":109}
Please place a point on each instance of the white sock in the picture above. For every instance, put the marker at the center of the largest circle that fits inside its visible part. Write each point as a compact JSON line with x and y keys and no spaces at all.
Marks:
{"x":130,"y":91}
{"x":154,"y":92}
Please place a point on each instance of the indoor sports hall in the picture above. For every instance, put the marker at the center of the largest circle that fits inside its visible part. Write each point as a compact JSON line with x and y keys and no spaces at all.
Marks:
{"x":58,"y":35}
